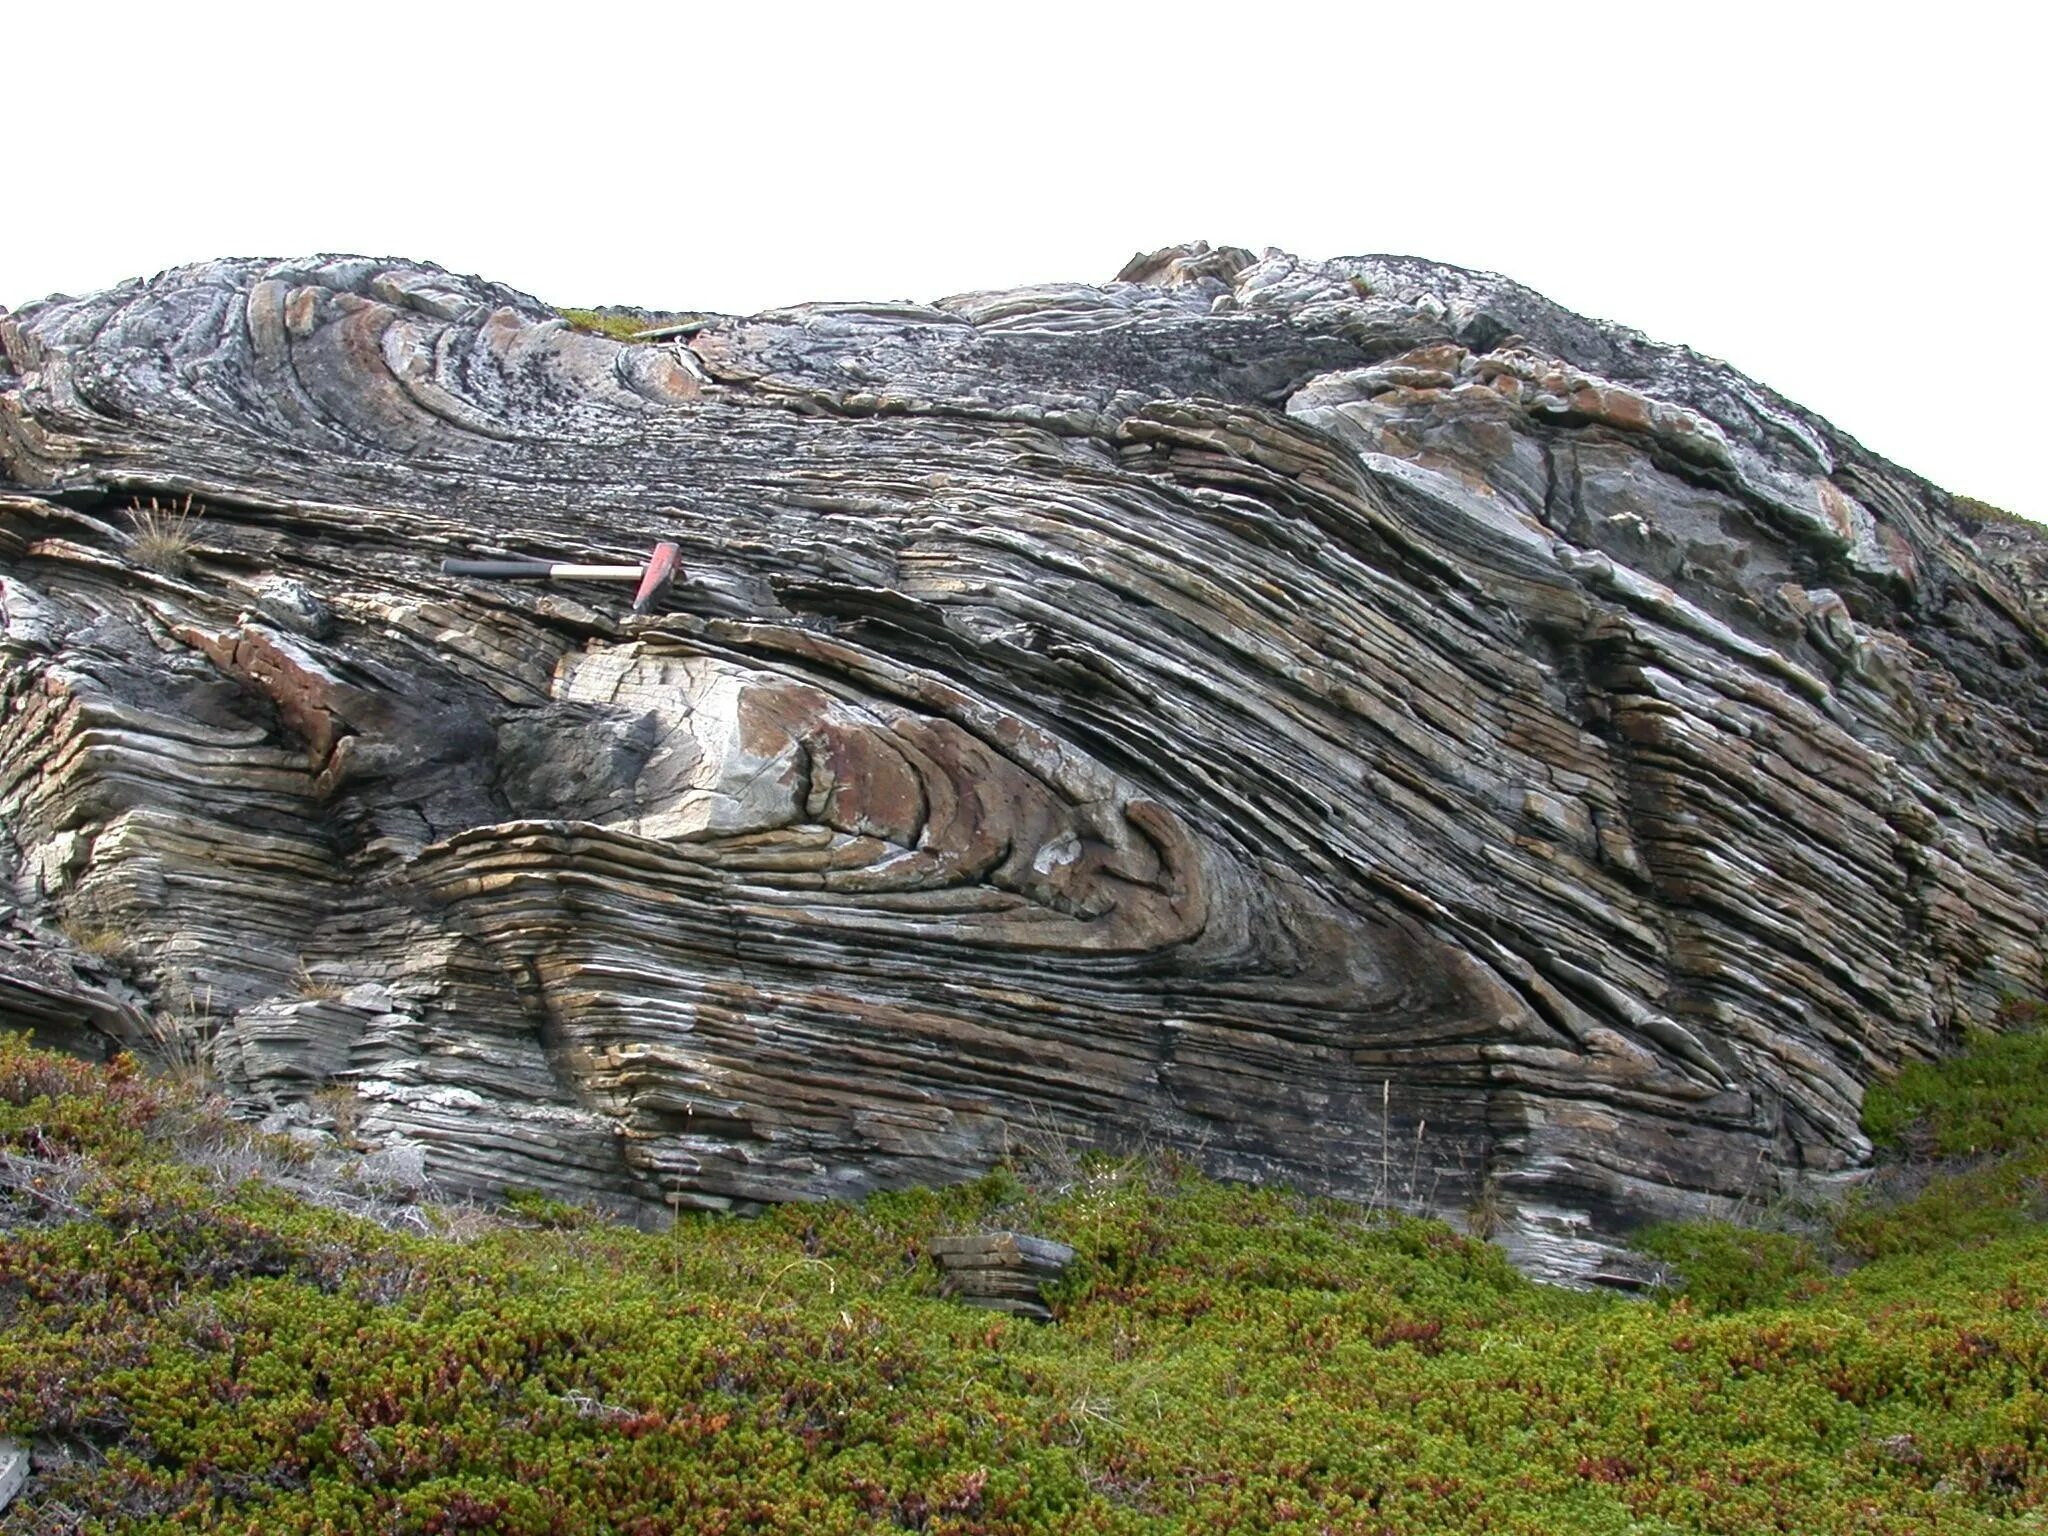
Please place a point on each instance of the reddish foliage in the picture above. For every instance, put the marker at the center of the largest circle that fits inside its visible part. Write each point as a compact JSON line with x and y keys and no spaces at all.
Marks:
{"x":1426,"y":1334}
{"x":1607,"y":1469}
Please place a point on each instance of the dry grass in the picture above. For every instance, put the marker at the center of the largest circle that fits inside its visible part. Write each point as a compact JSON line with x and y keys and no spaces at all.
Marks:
{"x":34,"y":1189}
{"x":97,"y":940}
{"x":181,"y":1039}
{"x":164,"y":535}
{"x":1488,"y":1211}
{"x":342,"y":1108}
{"x":315,"y":989}
{"x":464,"y":1223}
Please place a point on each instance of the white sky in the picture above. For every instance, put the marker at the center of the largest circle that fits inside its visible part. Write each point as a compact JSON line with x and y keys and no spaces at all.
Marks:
{"x":1838,"y":200}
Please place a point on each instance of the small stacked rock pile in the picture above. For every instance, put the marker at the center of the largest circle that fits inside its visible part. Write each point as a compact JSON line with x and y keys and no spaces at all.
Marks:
{"x":1002,"y":1271}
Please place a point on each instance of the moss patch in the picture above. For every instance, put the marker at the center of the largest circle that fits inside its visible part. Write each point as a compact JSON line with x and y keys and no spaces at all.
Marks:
{"x":620,"y":325}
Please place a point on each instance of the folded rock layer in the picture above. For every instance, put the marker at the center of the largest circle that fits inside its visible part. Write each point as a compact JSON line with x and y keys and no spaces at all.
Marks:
{"x":1354,"y":722}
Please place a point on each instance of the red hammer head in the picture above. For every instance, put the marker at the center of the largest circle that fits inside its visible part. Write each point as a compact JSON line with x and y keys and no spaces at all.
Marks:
{"x":661,"y":570}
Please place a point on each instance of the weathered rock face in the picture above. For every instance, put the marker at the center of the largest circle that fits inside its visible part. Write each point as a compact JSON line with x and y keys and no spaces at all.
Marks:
{"x":1355,"y":721}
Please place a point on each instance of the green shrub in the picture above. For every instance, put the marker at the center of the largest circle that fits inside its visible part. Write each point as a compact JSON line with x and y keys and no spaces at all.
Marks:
{"x":1728,"y":1268}
{"x":545,"y":1211}
{"x":1954,"y":1212}
{"x":55,"y":1106}
{"x":1992,"y":1097}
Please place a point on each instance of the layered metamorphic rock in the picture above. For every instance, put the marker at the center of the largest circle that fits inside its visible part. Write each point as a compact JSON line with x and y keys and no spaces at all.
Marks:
{"x":1352,"y":721}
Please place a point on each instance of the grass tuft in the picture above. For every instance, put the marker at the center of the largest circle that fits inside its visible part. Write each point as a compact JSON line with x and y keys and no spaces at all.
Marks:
{"x":1731,"y":1268}
{"x":102,"y":943}
{"x":313,"y":988}
{"x":341,"y":1108}
{"x":181,"y":1039}
{"x":164,"y":537}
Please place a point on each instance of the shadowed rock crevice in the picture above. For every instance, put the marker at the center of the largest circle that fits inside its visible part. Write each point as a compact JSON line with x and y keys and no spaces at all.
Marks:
{"x":1354,"y":721}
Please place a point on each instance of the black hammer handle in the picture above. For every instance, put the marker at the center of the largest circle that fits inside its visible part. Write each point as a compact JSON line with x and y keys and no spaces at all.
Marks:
{"x":535,"y":570}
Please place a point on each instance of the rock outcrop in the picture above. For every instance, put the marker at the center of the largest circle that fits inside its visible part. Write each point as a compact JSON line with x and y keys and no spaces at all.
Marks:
{"x":1353,"y":721}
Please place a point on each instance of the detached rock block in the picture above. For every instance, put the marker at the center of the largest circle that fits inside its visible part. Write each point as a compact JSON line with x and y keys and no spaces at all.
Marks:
{"x":1002,"y":1271}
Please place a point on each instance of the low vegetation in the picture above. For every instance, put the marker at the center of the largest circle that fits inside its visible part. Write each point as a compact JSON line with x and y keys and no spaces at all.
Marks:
{"x":1963,"y":1148}
{"x":164,"y":536}
{"x":192,"y":1349}
{"x":1991,"y":1099}
{"x":1982,"y":512}
{"x":620,"y":325}
{"x":100,"y":942}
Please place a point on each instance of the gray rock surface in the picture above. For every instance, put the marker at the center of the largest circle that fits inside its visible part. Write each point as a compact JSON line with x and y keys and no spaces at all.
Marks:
{"x":1002,"y":1271}
{"x":13,"y":1470}
{"x":1354,"y":721}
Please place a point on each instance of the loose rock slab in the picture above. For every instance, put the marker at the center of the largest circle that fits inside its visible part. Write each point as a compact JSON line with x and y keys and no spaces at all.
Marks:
{"x":1002,"y":1271}
{"x":14,"y":1461}
{"x":1354,"y":722}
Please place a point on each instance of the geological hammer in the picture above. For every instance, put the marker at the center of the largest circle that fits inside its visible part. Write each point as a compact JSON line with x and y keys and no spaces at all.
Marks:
{"x":655,"y":577}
